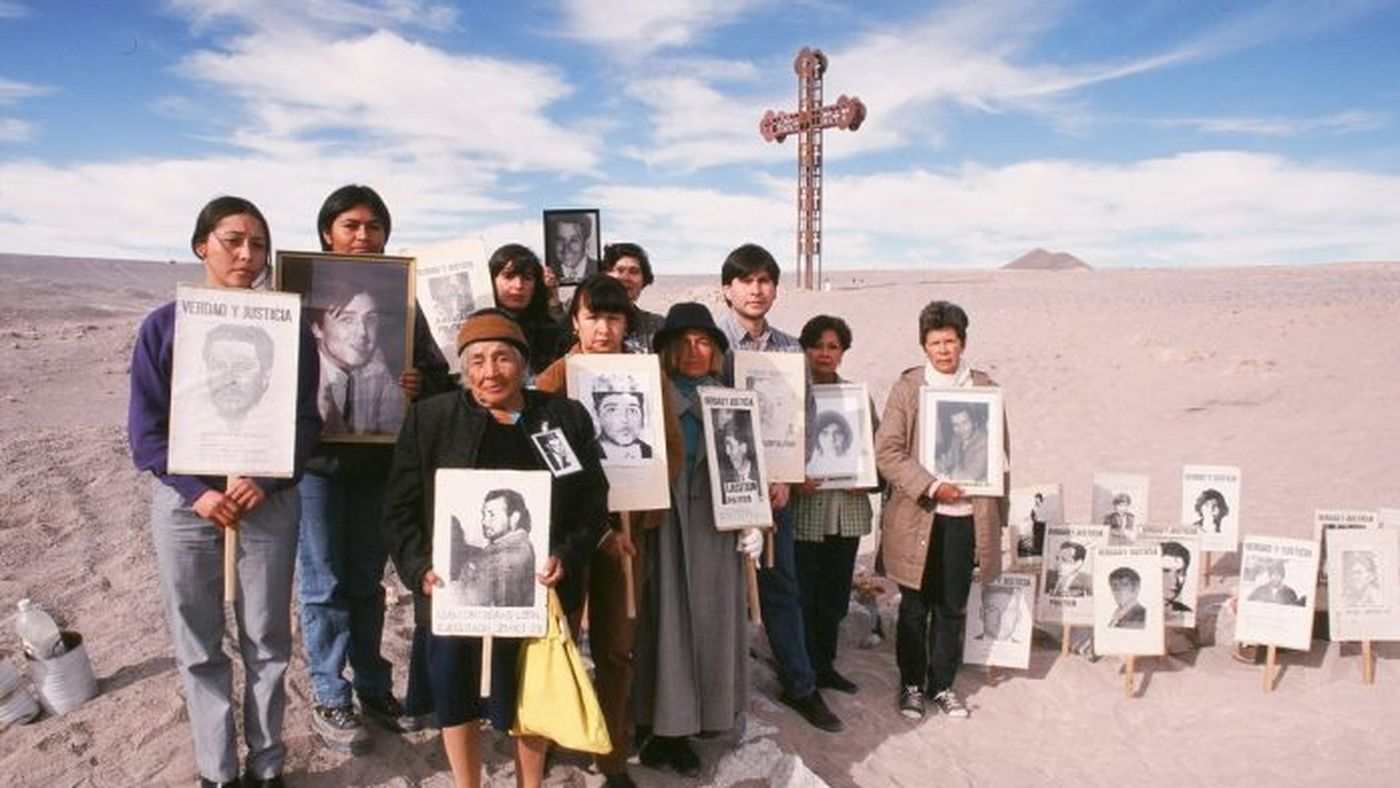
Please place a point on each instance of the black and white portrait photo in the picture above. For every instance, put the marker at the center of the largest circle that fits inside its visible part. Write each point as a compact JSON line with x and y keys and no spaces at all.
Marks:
{"x":1127,"y":584}
{"x":780,"y":380}
{"x":556,"y":451}
{"x":495,"y":567}
{"x":572,"y":244}
{"x":623,"y":394}
{"x":841,"y":452}
{"x":961,"y":438}
{"x":1210,"y":505}
{"x":233,"y":386}
{"x":1067,"y":573}
{"x":490,"y":541}
{"x":452,"y":280}
{"x":999,"y":623}
{"x":1180,"y":574}
{"x":1033,"y":509}
{"x":361,"y":315}
{"x":1277,"y":577}
{"x":1120,"y":502}
{"x":1326,"y":523}
{"x":737,"y":471}
{"x":1363,"y":597}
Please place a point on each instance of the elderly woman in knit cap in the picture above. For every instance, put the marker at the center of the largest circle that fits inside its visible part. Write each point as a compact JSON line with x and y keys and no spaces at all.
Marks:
{"x":488,"y":424}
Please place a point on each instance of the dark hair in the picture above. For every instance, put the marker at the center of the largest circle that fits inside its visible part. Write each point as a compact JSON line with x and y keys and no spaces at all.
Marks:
{"x":515,"y":502}
{"x":1122,"y":497}
{"x":813,"y":330}
{"x":747,"y":260}
{"x":1124,"y":574}
{"x":829,"y":417}
{"x":1076,"y":548}
{"x":256,"y":336}
{"x":219,"y":208}
{"x":614,"y":252}
{"x":519,"y":258}
{"x":1177,"y":550}
{"x":1212,"y":494}
{"x":602,"y":293}
{"x":942,"y":314}
{"x":341,"y":289}
{"x":345,"y":198}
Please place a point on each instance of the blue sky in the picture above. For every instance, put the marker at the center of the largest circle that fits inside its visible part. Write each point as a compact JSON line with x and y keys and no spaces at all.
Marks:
{"x":1145,"y":133}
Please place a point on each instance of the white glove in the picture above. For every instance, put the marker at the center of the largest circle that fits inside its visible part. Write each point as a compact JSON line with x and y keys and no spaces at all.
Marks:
{"x":751,"y":542}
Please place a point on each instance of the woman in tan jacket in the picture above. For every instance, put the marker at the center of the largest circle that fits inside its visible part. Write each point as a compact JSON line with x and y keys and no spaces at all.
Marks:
{"x":933,"y":533}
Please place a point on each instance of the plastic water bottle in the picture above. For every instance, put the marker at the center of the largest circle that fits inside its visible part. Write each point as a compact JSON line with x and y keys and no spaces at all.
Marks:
{"x":39,"y":633}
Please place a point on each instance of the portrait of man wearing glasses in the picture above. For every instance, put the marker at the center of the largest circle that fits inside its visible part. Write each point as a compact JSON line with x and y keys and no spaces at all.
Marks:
{"x":571,"y":244}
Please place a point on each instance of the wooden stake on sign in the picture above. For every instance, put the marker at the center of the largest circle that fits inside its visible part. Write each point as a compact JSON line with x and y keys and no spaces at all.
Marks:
{"x":1368,"y":663}
{"x":992,"y":674}
{"x":627,"y":568}
{"x":1206,"y":579}
{"x":751,"y":580}
{"x":768,"y":548}
{"x":1065,"y":631}
{"x":1269,"y":669}
{"x":1128,"y":676}
{"x":485,"y":688}
{"x":230,"y":556}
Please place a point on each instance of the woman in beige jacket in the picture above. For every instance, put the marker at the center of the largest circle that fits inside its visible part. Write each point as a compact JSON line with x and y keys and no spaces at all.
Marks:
{"x":933,"y":533}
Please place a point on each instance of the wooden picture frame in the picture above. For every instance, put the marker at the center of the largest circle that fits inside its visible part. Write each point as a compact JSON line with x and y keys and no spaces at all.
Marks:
{"x":962,"y":435}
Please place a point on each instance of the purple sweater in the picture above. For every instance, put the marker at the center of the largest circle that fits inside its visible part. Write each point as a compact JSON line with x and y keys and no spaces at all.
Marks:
{"x":148,"y":417}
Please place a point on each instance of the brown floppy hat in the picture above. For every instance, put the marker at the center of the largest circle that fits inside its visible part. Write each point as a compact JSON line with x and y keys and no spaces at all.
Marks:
{"x":491,"y":324}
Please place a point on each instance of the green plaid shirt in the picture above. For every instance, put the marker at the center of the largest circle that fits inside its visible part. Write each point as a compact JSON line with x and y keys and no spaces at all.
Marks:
{"x":852,"y":514}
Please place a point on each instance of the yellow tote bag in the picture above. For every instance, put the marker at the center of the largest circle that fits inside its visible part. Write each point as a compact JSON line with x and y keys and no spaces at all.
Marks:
{"x":556,"y":698}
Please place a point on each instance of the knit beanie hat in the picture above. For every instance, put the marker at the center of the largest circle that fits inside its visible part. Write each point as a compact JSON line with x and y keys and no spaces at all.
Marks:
{"x":491,"y":324}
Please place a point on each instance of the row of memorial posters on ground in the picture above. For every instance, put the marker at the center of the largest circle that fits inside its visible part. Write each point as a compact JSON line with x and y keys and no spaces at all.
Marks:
{"x":1129,"y":593}
{"x":1210,"y":508}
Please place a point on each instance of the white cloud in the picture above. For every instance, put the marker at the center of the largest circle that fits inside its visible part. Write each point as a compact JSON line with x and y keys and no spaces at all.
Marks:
{"x":386,"y":93}
{"x":15,"y":130}
{"x":632,"y":28}
{"x":313,"y":16}
{"x":12,"y":91}
{"x":1337,"y":123}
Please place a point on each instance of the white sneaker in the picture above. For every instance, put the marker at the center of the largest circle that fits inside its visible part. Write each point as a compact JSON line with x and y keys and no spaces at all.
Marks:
{"x":949,"y":702}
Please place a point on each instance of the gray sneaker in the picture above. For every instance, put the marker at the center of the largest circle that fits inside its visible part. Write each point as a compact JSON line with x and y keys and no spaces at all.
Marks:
{"x":949,"y":703}
{"x":911,"y":702}
{"x":340,"y":728}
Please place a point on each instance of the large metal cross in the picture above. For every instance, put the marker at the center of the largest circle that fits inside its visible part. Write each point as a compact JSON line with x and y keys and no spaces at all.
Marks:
{"x":807,"y":122}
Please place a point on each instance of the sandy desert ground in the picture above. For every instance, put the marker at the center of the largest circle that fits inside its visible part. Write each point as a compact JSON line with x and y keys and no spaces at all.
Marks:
{"x":1291,"y":373}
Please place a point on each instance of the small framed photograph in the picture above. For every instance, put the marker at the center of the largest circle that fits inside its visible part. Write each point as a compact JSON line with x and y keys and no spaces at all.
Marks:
{"x":1120,"y":502}
{"x":491,"y":534}
{"x":572,"y":243}
{"x":1210,"y":505}
{"x":361,"y":311}
{"x":999,"y":624}
{"x":452,"y":281}
{"x":1363,"y":598}
{"x":961,"y":437}
{"x":623,"y":394}
{"x":733,"y":448}
{"x":1277,"y":577}
{"x":556,"y":451}
{"x":233,"y":389}
{"x":781,"y":382}
{"x":843,"y":445}
{"x":1127,"y":585}
{"x":1067,"y":573}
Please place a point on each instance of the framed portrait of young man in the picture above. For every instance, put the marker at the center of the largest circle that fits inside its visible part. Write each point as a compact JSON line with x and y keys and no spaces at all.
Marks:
{"x":962,"y":438}
{"x":842,"y":453}
{"x":234,"y":382}
{"x":734,"y":454}
{"x":781,"y":382}
{"x":452,"y":280}
{"x":361,"y":311}
{"x":622,"y":392}
{"x":572,"y":243}
{"x":491,"y":534}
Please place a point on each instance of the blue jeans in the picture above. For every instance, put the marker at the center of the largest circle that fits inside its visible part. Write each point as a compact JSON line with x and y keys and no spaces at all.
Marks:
{"x":781,"y":604}
{"x":340,"y":585}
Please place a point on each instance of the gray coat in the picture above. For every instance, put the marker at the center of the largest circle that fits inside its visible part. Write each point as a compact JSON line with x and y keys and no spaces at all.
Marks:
{"x":692,"y":635}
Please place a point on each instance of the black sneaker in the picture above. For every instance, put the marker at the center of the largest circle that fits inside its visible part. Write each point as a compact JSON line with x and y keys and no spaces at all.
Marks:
{"x":275,"y":781}
{"x":832,"y":680}
{"x":670,"y":752}
{"x":813,"y":709}
{"x":911,"y":702}
{"x":340,"y":729}
{"x":387,"y":711}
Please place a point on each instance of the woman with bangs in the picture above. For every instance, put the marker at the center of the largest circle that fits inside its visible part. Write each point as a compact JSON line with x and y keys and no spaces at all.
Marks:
{"x":518,"y":281}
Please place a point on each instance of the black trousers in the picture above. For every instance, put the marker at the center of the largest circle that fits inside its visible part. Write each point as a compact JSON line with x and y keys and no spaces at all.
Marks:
{"x":928,"y":635}
{"x":824,"y":572}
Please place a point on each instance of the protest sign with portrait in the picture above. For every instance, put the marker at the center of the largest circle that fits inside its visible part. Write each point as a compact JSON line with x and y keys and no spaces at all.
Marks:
{"x":962,"y":437}
{"x":843,"y":449}
{"x":999,"y":624}
{"x":738,"y":474}
{"x":1127,"y":585}
{"x":623,"y":394}
{"x":1120,"y":502}
{"x":452,"y":281}
{"x":1364,"y":595}
{"x":781,"y":382}
{"x":1277,"y":577}
{"x":1067,"y":573}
